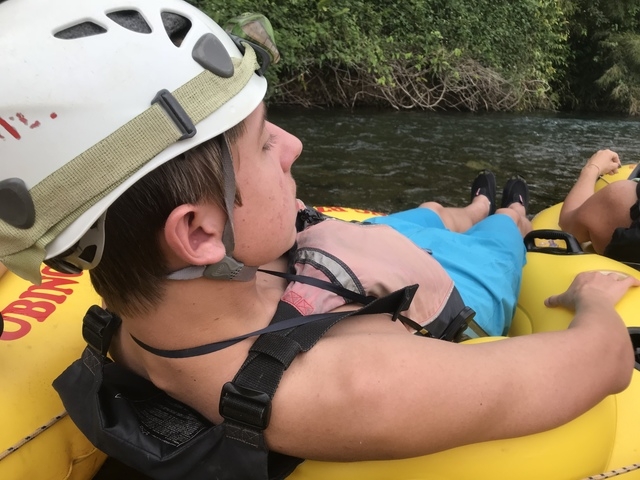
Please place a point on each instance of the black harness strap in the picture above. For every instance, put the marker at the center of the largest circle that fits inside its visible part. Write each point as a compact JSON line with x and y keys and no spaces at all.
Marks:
{"x":284,"y":318}
{"x":216,"y":346}
{"x":449,"y":325}
{"x":245,"y":402}
{"x":323,"y":284}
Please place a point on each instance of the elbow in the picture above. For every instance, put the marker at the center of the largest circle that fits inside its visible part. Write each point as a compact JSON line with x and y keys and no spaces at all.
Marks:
{"x":623,"y":364}
{"x":627,"y":368}
{"x":622,"y":381}
{"x":562,"y":223}
{"x":570,"y":224}
{"x":565,"y":224}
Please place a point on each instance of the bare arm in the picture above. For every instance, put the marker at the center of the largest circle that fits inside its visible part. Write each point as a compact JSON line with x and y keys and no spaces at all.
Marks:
{"x":364,"y":393}
{"x":601,"y":163}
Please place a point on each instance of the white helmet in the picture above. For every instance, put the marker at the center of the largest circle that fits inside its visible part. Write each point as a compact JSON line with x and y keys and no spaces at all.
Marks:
{"x":94,"y":95}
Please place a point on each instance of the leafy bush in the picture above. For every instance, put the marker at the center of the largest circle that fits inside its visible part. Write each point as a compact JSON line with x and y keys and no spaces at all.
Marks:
{"x":604,"y":69}
{"x":482,"y":54}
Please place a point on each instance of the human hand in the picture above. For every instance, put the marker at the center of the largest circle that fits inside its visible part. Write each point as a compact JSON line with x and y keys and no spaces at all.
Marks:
{"x":606,"y":161}
{"x":599,"y":286}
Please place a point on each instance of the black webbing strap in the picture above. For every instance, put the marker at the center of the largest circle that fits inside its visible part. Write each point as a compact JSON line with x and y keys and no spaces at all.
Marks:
{"x":449,"y":325}
{"x":324,"y":285}
{"x":245,"y":403}
{"x":222,"y":344}
{"x":287,"y":320}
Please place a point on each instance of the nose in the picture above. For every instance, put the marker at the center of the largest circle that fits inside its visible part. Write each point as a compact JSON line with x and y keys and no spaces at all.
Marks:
{"x":291,"y":147}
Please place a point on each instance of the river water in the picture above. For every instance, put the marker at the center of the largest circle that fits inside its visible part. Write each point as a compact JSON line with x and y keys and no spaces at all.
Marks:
{"x":388,"y":160}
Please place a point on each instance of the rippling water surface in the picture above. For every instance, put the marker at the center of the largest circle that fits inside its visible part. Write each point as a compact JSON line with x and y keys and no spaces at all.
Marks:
{"x":388,"y":161}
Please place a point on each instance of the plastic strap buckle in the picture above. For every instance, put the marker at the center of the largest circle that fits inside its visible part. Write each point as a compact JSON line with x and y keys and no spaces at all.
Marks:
{"x":261,"y":52}
{"x":245,"y":406}
{"x":98,"y":327}
{"x":175,"y":111}
{"x":458,"y":325}
{"x":308,"y":217}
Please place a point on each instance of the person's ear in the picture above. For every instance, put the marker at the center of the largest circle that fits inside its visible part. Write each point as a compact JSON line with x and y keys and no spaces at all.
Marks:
{"x":194,"y":234}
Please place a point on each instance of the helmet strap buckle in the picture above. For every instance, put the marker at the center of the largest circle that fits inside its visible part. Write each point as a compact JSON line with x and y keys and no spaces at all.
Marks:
{"x":175,"y":111}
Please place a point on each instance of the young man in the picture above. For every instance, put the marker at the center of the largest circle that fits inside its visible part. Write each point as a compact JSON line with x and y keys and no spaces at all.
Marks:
{"x":133,"y":173}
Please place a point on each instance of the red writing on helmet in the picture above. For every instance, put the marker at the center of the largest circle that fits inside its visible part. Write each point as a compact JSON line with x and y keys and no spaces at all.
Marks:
{"x":12,"y":131}
{"x":19,"y":117}
{"x":36,"y":303}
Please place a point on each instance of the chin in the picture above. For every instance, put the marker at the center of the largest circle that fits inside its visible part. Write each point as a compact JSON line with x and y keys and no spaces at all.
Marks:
{"x":294,"y":236}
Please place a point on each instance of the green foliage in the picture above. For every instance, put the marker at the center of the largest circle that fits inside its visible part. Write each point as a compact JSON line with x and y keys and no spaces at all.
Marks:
{"x":605,"y":66}
{"x":481,"y":54}
{"x":621,"y":81}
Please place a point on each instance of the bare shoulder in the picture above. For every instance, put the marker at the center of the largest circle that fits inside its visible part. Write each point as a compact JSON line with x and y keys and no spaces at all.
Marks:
{"x":383,"y":394}
{"x":362,"y":382}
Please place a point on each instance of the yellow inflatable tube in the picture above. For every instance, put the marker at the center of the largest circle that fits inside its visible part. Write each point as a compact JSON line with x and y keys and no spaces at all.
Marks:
{"x":43,"y":336}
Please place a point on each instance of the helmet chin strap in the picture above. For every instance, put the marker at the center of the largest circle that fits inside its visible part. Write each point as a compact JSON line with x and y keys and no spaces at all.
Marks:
{"x":228,"y":268}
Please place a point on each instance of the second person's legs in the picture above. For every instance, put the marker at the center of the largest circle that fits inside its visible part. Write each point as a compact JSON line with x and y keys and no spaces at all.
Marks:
{"x":482,"y":204}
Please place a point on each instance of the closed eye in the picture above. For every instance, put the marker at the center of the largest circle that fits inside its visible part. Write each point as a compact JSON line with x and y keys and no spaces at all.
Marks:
{"x":269,"y":143}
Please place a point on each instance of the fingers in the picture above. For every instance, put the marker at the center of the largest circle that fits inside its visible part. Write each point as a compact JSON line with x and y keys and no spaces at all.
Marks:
{"x":606,"y":286}
{"x":606,"y":161}
{"x":614,"y":165}
{"x":552,"y":301}
{"x":631,"y":282}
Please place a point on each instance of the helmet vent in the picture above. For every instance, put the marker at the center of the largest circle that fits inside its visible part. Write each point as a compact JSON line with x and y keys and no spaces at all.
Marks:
{"x":89,"y":253}
{"x":84,"y":29}
{"x":131,"y":20}
{"x":176,"y":26}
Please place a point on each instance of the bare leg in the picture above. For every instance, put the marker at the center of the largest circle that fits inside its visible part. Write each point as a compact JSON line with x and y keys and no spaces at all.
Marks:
{"x":481,"y":205}
{"x":461,"y":219}
{"x":518,"y":214}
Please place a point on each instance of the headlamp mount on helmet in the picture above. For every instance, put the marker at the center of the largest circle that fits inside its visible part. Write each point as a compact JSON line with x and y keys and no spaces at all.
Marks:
{"x":256,"y":30}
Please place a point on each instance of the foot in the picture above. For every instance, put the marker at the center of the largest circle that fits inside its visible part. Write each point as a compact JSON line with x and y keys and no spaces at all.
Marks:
{"x":515,"y":190}
{"x":485,"y":184}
